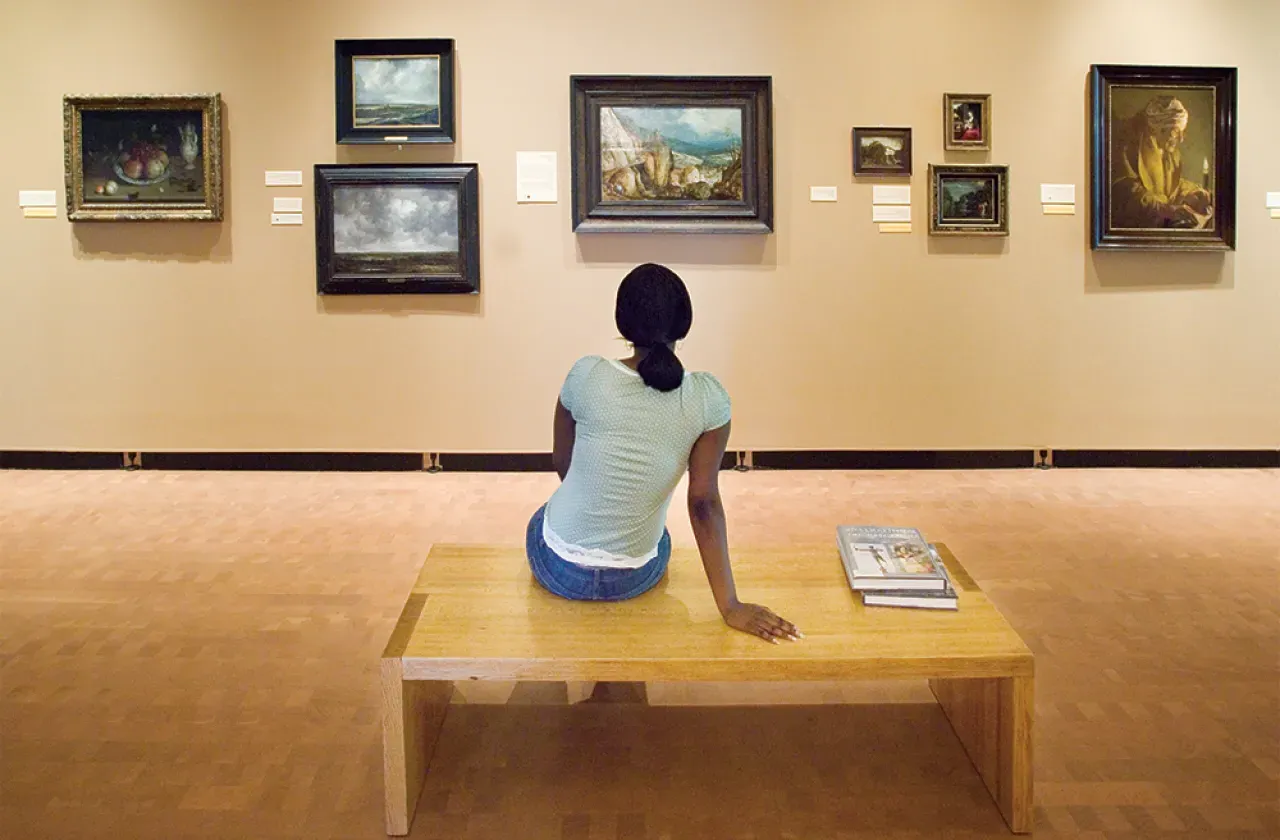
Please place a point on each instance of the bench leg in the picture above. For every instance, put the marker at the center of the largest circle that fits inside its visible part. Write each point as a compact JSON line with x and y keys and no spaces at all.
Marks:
{"x":993,"y":719}
{"x":412,"y":714}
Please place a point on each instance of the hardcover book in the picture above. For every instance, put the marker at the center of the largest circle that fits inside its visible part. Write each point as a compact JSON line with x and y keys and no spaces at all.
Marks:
{"x":878,"y":557}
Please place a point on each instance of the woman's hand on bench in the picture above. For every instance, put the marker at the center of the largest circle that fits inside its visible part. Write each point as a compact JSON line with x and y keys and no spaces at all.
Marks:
{"x":760,"y":621}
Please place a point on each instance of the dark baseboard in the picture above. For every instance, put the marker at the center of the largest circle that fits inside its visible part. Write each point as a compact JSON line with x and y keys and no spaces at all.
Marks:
{"x":497,"y":462}
{"x":849,"y":459}
{"x":284,"y":461}
{"x":541,"y":461}
{"x":1167,"y":458}
{"x":50,"y":460}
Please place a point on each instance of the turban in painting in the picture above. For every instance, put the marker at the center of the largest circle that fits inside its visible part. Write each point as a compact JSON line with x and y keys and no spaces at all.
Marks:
{"x":1166,"y":112}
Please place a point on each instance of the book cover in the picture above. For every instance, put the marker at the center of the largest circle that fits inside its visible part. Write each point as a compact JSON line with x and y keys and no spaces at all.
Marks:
{"x":879,"y":557}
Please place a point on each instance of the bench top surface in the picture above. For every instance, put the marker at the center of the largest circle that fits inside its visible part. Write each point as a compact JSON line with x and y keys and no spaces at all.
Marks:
{"x":477,"y":613}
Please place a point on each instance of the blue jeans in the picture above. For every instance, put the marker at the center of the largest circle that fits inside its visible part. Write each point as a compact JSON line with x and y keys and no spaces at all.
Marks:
{"x":578,"y":583}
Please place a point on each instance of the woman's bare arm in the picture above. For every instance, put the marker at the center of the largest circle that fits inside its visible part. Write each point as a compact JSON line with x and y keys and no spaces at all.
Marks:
{"x":562,"y":435}
{"x":706,"y":515}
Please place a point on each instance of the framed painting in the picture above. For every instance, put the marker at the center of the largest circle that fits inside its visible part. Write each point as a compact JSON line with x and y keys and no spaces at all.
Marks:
{"x":384,"y":228}
{"x":968,"y":200}
{"x":394,"y":90}
{"x":687,"y":154}
{"x":143,"y":158}
{"x":882,"y":152}
{"x":966,"y":121}
{"x":1163,"y":158}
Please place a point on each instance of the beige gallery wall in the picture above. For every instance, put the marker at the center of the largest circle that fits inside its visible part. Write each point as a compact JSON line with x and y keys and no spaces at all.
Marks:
{"x":827,"y":333}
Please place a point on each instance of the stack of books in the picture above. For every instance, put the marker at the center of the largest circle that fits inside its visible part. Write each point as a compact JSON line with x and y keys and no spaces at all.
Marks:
{"x":895,"y":567}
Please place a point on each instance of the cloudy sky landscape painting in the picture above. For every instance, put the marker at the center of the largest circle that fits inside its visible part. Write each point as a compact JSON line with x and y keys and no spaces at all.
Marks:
{"x":397,"y":91}
{"x":411,"y":219}
{"x":398,"y":81}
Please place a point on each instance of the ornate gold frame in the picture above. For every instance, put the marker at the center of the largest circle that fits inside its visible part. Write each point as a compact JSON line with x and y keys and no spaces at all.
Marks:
{"x":210,"y":107}
{"x":939,"y":227}
{"x":949,"y":142}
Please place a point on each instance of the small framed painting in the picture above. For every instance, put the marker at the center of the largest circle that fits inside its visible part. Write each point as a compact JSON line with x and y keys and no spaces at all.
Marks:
{"x":966,"y":121}
{"x":397,"y":229}
{"x":968,"y":200}
{"x":682,"y":154}
{"x":882,"y":151}
{"x":143,"y":158}
{"x":1163,"y":158}
{"x":397,"y":90}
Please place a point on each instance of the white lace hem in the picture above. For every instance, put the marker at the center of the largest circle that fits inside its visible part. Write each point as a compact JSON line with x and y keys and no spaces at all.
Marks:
{"x":591,"y":557}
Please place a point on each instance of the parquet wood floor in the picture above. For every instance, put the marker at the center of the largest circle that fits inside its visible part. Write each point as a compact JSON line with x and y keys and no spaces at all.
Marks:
{"x":195,"y":656}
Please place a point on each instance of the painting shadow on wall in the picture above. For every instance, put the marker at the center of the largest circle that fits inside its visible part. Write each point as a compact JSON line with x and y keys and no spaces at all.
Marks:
{"x":190,"y":242}
{"x":677,"y":249}
{"x":400,"y":305}
{"x":1157,"y":271}
{"x":977,"y":246}
{"x":162,"y":241}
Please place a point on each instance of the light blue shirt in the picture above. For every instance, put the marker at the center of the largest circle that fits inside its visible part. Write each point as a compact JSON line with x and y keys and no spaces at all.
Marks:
{"x":631,"y":448}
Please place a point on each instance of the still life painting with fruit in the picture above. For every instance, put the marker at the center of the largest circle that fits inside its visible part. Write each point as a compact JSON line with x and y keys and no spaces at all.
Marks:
{"x":152,"y":157}
{"x":152,"y":161}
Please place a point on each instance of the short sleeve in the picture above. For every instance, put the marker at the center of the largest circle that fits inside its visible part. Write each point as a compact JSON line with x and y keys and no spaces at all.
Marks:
{"x":716,"y":404}
{"x":572,"y":387}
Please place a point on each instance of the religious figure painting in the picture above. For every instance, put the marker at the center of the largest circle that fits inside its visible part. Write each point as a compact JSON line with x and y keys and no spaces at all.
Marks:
{"x":394,"y":90}
{"x":1163,"y":158}
{"x":966,"y":121}
{"x":678,"y":154}
{"x":397,"y":229}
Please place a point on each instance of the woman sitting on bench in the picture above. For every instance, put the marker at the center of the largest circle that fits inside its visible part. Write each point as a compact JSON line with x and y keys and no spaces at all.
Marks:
{"x":625,"y":431}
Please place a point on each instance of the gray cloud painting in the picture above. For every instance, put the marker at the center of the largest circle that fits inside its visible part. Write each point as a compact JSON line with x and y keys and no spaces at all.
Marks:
{"x":418,"y":219}
{"x":392,"y":91}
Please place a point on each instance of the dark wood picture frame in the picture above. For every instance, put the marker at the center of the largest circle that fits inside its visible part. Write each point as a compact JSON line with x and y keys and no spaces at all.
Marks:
{"x":864,"y":168}
{"x":144,"y":198}
{"x":380,"y":274}
{"x":947,"y":226}
{"x":753,"y":214}
{"x":949,"y":140}
{"x":1175,"y":226}
{"x":346,"y":51}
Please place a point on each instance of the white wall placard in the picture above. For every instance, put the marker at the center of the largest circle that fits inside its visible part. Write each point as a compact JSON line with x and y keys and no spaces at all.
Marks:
{"x":37,"y":198}
{"x":822,"y":193}
{"x":287,"y":204}
{"x":1273,"y":200}
{"x":890,"y":195}
{"x":536,"y":177}
{"x":286,"y":218}
{"x":284,"y":178}
{"x":891,"y":213}
{"x":1057,"y":193}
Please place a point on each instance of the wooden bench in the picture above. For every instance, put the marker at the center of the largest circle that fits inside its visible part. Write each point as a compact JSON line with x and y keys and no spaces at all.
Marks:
{"x":476,"y":613}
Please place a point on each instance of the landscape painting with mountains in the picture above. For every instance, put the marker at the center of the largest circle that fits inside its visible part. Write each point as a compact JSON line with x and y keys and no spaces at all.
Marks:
{"x":671,"y":153}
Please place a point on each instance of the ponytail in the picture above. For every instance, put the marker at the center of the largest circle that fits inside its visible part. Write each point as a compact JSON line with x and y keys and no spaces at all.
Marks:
{"x":661,"y":369}
{"x":652,"y":311}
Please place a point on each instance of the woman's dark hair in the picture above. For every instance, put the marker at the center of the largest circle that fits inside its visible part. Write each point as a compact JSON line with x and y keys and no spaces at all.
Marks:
{"x":653,"y":311}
